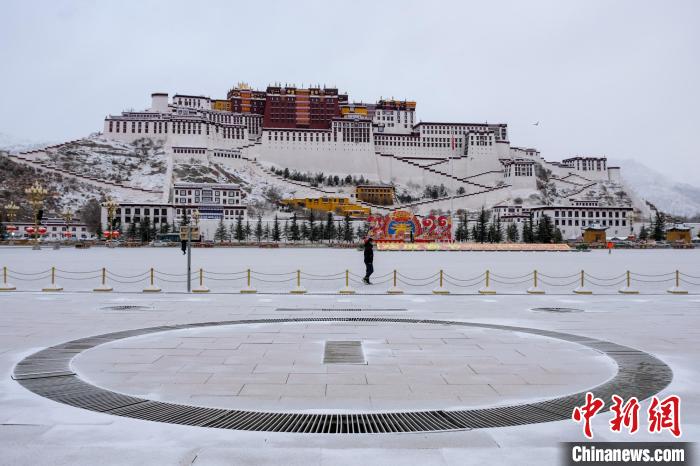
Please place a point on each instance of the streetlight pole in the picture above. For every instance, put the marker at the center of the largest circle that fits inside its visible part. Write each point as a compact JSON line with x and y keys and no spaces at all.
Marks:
{"x":195,"y":218}
{"x":36,"y":194}
{"x":111,"y":206}
{"x":11,"y":213}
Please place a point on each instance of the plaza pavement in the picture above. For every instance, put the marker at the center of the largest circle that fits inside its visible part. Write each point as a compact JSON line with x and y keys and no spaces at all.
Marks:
{"x":407,"y":367}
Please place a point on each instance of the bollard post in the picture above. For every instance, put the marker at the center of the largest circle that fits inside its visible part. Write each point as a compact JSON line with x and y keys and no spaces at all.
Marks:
{"x":248,"y":289}
{"x":627,"y":289}
{"x":441,"y":289}
{"x":676,"y":289}
{"x":535,"y":289}
{"x":201,"y":288}
{"x":6,"y":286}
{"x":394,"y":288}
{"x":103,"y":286}
{"x":53,"y":286}
{"x":152,"y":288}
{"x":581,"y":289}
{"x":347,"y":289}
{"x":487,"y":289}
{"x":299,"y":289}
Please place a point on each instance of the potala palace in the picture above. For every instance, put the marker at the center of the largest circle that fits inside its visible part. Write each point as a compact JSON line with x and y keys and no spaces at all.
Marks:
{"x":244,"y":142}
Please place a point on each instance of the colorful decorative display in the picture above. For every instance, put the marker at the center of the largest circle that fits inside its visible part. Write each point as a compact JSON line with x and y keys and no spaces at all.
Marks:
{"x":403,"y":226}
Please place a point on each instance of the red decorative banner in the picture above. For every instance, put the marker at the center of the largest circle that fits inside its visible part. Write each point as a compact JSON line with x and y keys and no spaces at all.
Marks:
{"x":403,"y":226}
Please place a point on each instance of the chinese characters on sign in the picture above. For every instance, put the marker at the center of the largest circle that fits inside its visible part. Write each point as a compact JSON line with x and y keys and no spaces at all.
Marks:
{"x":403,"y":226}
{"x":662,"y":414}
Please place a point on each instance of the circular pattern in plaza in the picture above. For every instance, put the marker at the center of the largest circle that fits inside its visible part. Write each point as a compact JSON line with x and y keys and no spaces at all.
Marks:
{"x":49,"y":373}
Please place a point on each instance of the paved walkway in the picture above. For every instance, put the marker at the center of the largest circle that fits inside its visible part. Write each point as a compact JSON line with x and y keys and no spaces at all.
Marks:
{"x":190,"y":365}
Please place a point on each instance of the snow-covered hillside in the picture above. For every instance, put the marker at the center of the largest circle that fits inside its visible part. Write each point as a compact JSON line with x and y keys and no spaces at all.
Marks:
{"x":142,"y":164}
{"x":666,"y":194}
{"x":14,"y":145}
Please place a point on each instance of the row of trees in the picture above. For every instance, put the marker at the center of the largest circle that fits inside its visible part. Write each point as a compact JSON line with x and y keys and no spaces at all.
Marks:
{"x":657,"y":229}
{"x":489,"y":229}
{"x":293,"y":230}
{"x":319,"y":179}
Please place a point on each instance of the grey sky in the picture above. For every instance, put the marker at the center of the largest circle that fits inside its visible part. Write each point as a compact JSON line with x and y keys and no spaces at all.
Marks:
{"x":615,"y":78}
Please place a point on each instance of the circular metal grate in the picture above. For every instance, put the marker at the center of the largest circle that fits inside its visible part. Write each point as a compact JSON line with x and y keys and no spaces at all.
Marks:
{"x":556,"y":309}
{"x":127,"y":307}
{"x":48,"y":373}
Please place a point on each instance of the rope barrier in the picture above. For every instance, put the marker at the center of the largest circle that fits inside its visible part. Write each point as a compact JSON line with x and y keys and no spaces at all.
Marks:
{"x":562,"y":277}
{"x":242,"y":272}
{"x":447,"y":280}
{"x":44,"y":277}
{"x":503,"y":277}
{"x":394,"y":277}
{"x":481,"y":275}
{"x":29,"y":273}
{"x":617,"y":277}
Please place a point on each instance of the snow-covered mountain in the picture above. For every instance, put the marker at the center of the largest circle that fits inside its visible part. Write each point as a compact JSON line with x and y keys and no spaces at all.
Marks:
{"x":665,"y":193}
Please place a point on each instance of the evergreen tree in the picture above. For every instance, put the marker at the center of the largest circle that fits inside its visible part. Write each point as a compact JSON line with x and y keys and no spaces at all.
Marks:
{"x":276,"y":234}
{"x":512,"y":233}
{"x":347,"y":229}
{"x":247,"y":231}
{"x":528,"y":232}
{"x":266,"y":232}
{"x":475,"y":233}
{"x":461,"y":230}
{"x":258,"y":229}
{"x":659,"y":231}
{"x":557,"y":238}
{"x":643,"y":233}
{"x":497,"y":230}
{"x":491,"y":233}
{"x":239,"y":235}
{"x":340,"y":233}
{"x":232,"y":231}
{"x":329,"y":231}
{"x":304,"y":231}
{"x":482,"y":226}
{"x":294,"y":229}
{"x":144,"y":231}
{"x":221,"y":233}
{"x":286,"y":230}
{"x":545,"y":230}
{"x":312,"y":227}
{"x":164,"y":227}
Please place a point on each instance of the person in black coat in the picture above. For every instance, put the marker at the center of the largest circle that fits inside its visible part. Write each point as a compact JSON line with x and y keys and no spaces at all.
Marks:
{"x":369,"y":259}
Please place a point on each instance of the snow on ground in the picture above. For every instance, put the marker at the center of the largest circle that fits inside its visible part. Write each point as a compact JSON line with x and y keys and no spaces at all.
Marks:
{"x":36,"y":431}
{"x":418,"y":270}
{"x":142,"y":164}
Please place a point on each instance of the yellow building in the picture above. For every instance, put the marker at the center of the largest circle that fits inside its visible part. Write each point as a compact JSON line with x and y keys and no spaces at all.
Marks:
{"x":354,"y":109}
{"x":222,"y":105}
{"x":594,"y":234}
{"x":678,"y":233}
{"x":338,"y":205}
{"x":375,"y":194}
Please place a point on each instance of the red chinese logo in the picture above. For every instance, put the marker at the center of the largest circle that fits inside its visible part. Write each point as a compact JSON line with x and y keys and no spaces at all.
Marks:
{"x":587,"y":412}
{"x":665,"y":414}
{"x":626,"y":414}
{"x":662,"y":414}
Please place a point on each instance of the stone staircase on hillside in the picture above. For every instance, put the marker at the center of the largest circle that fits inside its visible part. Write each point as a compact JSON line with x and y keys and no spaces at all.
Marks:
{"x":429,"y":168}
{"x":45,"y":165}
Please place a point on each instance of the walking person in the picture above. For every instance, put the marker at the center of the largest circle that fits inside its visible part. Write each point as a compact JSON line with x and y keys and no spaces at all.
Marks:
{"x":369,"y":259}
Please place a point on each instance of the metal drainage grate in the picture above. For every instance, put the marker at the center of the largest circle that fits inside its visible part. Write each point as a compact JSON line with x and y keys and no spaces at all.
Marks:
{"x":556,"y":309}
{"x":338,"y":309}
{"x":343,"y":352}
{"x":47,"y":373}
{"x":127,"y":307}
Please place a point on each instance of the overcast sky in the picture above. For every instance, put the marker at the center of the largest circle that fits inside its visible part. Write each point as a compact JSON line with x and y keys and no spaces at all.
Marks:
{"x":614,"y":78}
